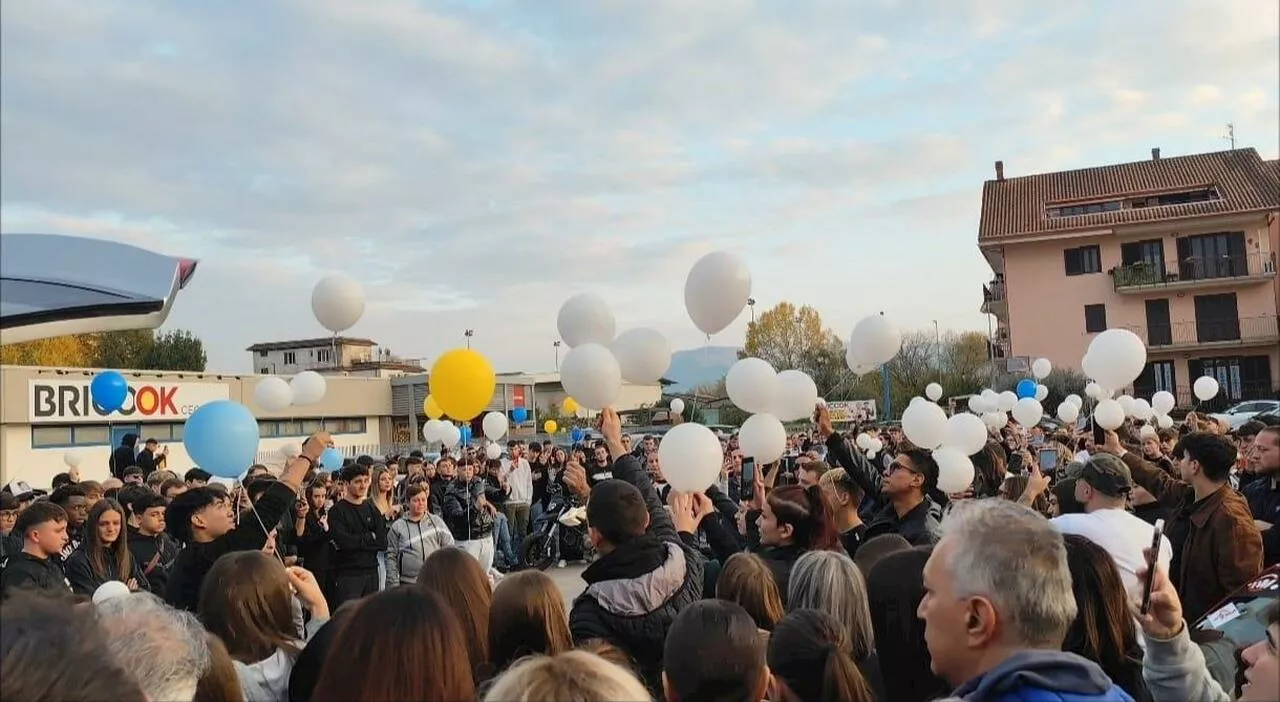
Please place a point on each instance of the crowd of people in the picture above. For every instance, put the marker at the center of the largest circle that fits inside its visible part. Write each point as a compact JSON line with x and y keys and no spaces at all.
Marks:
{"x":829,"y":575}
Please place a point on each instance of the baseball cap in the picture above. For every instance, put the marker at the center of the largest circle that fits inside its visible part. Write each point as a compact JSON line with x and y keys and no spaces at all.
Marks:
{"x":1108,"y":475}
{"x":7,"y":502}
{"x":20,"y":490}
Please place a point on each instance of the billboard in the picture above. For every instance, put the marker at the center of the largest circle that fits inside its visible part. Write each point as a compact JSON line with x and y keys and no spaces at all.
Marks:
{"x":68,"y":401}
{"x":852,"y":411}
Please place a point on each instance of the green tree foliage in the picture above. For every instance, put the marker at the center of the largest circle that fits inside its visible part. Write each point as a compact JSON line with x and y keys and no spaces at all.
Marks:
{"x":177,"y":350}
{"x":794,"y":338}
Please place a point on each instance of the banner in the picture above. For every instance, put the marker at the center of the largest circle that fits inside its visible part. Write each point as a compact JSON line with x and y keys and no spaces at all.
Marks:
{"x":68,"y":401}
{"x":852,"y":411}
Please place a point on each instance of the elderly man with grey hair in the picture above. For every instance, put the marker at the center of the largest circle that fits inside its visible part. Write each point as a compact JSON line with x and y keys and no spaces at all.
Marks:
{"x":997,"y":606}
{"x":164,"y":648}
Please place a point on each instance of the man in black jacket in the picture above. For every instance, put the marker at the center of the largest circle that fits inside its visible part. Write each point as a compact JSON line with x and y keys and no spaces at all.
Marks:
{"x":124,"y":455}
{"x":152,"y":549}
{"x":358,"y":532}
{"x":43,"y":528}
{"x":647,"y":572}
{"x":202,"y":518}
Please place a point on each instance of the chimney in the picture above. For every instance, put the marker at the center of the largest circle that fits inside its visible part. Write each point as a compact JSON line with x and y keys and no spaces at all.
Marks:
{"x":1155,"y":154}
{"x":999,"y":170}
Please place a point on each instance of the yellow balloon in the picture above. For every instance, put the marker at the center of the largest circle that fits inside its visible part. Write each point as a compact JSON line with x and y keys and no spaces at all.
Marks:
{"x":550,"y":426}
{"x":462,"y":383}
{"x":570,"y":405}
{"x":431,"y":409}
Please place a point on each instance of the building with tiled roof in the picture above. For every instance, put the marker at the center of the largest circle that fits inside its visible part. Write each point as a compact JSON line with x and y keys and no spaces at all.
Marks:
{"x":1180,"y":250}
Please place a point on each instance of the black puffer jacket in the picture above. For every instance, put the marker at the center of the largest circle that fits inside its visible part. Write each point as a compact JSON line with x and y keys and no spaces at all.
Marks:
{"x":635,"y":592}
{"x":462,"y":512}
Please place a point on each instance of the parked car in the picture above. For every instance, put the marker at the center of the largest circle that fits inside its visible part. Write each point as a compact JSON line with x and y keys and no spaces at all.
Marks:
{"x":1237,"y":415}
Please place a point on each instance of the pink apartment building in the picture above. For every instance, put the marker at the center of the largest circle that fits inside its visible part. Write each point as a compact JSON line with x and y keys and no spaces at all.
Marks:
{"x":1182,"y":251}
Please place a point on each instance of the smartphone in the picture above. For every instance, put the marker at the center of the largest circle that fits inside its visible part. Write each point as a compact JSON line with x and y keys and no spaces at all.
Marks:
{"x":747,"y":480}
{"x":1048,"y":460}
{"x":1015,"y":464}
{"x":1157,"y":534}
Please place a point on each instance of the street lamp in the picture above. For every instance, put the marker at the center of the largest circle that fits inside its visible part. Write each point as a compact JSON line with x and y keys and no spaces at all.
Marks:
{"x":751,"y":303}
{"x":557,"y":345}
{"x":469,"y":333}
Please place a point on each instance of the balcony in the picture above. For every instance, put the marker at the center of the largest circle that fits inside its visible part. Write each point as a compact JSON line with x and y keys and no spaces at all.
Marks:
{"x":1194,"y":272}
{"x":994,"y":301}
{"x":1210,"y":333}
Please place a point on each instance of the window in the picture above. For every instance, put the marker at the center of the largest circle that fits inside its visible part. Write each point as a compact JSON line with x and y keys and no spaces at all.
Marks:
{"x":323,"y":355}
{"x":1240,"y":377}
{"x":1179,"y":198}
{"x":264,"y":370}
{"x":262,"y":353}
{"x":290,"y":358}
{"x":100,"y":434}
{"x":43,"y":437}
{"x":1095,"y":319}
{"x":1217,"y":318}
{"x":310,"y":426}
{"x":1085,"y":208}
{"x":1220,"y":255}
{"x":306,"y":427}
{"x":1083,"y":260}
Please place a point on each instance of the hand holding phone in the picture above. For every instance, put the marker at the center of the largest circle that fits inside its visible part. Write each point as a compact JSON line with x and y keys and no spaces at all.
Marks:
{"x":748,"y":479}
{"x":1152,"y":555}
{"x":1048,"y":459}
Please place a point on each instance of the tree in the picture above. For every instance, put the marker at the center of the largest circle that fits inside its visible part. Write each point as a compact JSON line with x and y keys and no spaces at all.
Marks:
{"x":790,"y":338}
{"x":75,"y":351}
{"x":177,"y":350}
{"x":124,"y":349}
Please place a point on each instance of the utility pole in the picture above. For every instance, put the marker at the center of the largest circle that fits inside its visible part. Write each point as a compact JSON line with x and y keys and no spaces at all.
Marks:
{"x":751,"y":304}
{"x":557,"y":345}
{"x":469,"y":333}
{"x":1231,"y":134}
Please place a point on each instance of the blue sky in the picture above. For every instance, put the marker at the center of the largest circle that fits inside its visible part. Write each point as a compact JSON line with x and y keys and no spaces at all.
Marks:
{"x":477,"y":162}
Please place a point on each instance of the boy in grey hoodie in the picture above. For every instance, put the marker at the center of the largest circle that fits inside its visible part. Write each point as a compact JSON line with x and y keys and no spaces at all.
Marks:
{"x":414,"y":536}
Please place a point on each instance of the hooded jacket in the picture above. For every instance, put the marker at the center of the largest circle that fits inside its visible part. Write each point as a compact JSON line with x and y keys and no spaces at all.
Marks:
{"x":268,"y":679}
{"x":462,"y":512}
{"x":1042,"y":676}
{"x":123,"y":456}
{"x":409,"y":543}
{"x":635,"y":592}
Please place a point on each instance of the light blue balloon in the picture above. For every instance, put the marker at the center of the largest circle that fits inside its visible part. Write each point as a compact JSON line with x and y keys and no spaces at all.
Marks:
{"x":331,"y":459}
{"x":222,"y":438}
{"x":465,"y":430}
{"x":109,"y":390}
{"x":1026,"y":388}
{"x":520,"y":414}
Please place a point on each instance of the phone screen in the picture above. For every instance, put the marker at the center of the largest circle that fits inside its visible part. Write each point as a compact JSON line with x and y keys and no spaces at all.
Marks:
{"x":1048,"y":459}
{"x":747,"y":484}
{"x":1015,"y":464}
{"x":1157,"y":534}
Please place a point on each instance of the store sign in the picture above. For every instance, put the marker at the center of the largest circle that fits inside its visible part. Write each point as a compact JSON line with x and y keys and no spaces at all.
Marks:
{"x":517,"y":396}
{"x":68,"y":401}
{"x":852,"y":411}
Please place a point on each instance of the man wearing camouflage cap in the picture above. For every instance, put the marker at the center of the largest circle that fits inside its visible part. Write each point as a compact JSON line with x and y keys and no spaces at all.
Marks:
{"x":1103,"y":486}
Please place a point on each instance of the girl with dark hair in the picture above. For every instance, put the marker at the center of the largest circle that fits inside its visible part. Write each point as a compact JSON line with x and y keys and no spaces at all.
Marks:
{"x":105,"y":554}
{"x":458,"y":579}
{"x":1104,"y":630}
{"x":399,"y":644}
{"x":793,"y":521}
{"x":895,"y":586}
{"x":809,"y":658}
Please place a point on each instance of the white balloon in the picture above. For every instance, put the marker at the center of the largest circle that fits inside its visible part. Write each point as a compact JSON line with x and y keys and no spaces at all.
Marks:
{"x":1108,"y":414}
{"x":450,"y":435}
{"x":977,"y":405}
{"x":585,"y":319}
{"x":1163,"y":402}
{"x":110,"y":590}
{"x":1205,"y":388}
{"x":72,"y":459}
{"x":752,"y":385}
{"x":1126,"y":404}
{"x":863,"y":441}
{"x":875,"y":445}
{"x":995,"y":420}
{"x":591,"y":376}
{"x":1006,"y":400}
{"x":1090,"y":365}
{"x":966,"y":432}
{"x":691,"y":457}
{"x":1093,"y":390}
{"x":1119,"y":356}
{"x":1041,"y":393}
{"x":716,"y":290}
{"x":492,"y":450}
{"x":763,"y":438}
{"x":434,"y":430}
{"x":337,"y":302}
{"x":1147,"y":432}
{"x":1028,"y":412}
{"x":1164,"y":421}
{"x":925,"y":424}
{"x":991,"y":399}
{"x":1068,"y":412}
{"x":955,"y":470}
{"x":875,"y":340}
{"x":273,"y":394}
{"x":916,"y":400}
{"x":797,"y":396}
{"x":291,"y":450}
{"x":495,"y":426}
{"x":871,"y":453}
{"x":1142,"y":409}
{"x":858,"y":367}
{"x":677,"y":406}
{"x":1041,"y":368}
{"x":643,"y":355}
{"x":308,"y":388}
{"x":933,"y":391}
{"x":1075,"y":400}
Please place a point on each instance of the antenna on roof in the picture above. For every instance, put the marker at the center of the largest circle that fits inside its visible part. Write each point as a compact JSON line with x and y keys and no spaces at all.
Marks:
{"x":1231,"y":134}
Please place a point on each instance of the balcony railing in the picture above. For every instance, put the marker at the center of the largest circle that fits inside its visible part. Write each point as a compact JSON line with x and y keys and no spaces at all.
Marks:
{"x":1210,"y":332}
{"x":1228,"y":395}
{"x":1191,"y":271}
{"x":993,"y":299}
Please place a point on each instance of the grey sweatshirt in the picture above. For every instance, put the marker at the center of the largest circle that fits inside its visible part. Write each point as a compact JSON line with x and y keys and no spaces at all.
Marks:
{"x":409,"y":543}
{"x":1175,"y":671}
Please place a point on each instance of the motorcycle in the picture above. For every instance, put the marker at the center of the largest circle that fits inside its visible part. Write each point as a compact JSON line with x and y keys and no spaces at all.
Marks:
{"x":559,"y":534}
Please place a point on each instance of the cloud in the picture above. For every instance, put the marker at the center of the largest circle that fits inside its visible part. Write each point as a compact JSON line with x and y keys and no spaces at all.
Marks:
{"x":476,"y":163}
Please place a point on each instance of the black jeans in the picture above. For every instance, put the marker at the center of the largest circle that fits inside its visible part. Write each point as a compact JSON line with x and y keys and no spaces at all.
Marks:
{"x":353,"y":584}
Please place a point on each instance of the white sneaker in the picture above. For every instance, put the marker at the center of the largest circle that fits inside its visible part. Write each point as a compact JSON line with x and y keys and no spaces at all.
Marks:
{"x":561,"y":564}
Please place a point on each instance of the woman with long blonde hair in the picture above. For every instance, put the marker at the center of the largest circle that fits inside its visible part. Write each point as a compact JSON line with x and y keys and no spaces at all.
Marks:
{"x":382,"y":495}
{"x":572,"y":676}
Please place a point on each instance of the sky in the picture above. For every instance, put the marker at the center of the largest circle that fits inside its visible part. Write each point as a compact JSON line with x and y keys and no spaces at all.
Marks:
{"x":475,"y":163}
